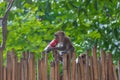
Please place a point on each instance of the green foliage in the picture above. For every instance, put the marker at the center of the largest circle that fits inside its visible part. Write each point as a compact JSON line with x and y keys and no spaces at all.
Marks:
{"x":32,"y":24}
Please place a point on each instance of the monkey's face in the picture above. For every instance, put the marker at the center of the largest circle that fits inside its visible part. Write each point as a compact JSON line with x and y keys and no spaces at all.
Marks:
{"x":59,"y":37}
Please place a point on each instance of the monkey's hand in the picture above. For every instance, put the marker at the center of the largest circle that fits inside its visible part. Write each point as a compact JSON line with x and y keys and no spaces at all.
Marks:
{"x":54,"y":48}
{"x":47,"y":50}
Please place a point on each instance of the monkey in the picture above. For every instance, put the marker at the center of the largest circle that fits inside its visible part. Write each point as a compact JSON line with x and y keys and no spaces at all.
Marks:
{"x":61,"y":43}
{"x":64,"y":43}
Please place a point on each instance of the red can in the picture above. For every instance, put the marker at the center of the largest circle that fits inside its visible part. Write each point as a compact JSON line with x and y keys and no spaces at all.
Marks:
{"x":53,"y":43}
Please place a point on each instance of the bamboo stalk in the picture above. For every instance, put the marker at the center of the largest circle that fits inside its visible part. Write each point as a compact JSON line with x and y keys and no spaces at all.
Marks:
{"x":9,"y":67}
{"x":57,"y":77}
{"x":82,"y":69}
{"x":73,"y":71}
{"x":114,"y":73}
{"x":99,"y":70}
{"x":110,"y":67}
{"x":26,"y":69}
{"x":4,"y":73}
{"x":89,"y":73}
{"x":19,"y":68}
{"x":65,"y":75}
{"x":69,"y":65}
{"x":22,"y":69}
{"x":106,"y":68}
{"x":78,"y":72}
{"x":87,"y":67}
{"x":91,"y":68}
{"x":45,"y":66}
{"x":13,"y":61}
{"x":52,"y":71}
{"x":103,"y":64}
{"x":42,"y":69}
{"x":39,"y":70}
{"x":95,"y":64}
{"x":31,"y":67}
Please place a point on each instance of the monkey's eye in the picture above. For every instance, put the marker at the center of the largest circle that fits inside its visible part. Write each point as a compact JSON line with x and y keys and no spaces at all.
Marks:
{"x":56,"y":35}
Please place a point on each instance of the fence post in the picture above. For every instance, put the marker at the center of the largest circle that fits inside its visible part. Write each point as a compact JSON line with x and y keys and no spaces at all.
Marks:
{"x":43,"y":68}
{"x":114,"y":73}
{"x":73,"y":68}
{"x":82,"y":68}
{"x":31,"y":67}
{"x":39,"y":70}
{"x":57,"y":77}
{"x":106,"y":68}
{"x":52,"y":71}
{"x":65,"y":75}
{"x":95,"y":63}
{"x":19,"y":71}
{"x":46,"y":66}
{"x":69,"y":65}
{"x":25,"y":63}
{"x":13,"y":65}
{"x":1,"y":64}
{"x":87,"y":67}
{"x":9,"y":67}
{"x":110,"y":66}
{"x":103,"y":64}
{"x":78,"y":72}
{"x":99,"y":69}
{"x":4,"y":73}
{"x":25,"y":70}
{"x":91,"y":68}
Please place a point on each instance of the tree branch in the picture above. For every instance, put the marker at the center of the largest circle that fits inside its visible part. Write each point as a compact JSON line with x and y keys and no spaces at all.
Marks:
{"x":4,"y":24}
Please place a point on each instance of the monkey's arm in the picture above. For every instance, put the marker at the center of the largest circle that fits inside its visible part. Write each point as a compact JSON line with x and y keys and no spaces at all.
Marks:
{"x":66,"y":49}
{"x":59,"y":48}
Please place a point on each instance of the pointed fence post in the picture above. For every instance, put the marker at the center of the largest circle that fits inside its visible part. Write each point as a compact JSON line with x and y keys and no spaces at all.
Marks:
{"x":13,"y":65}
{"x":46,"y":66}
{"x":82,"y":68}
{"x":106,"y":68}
{"x":31,"y":67}
{"x":78,"y":72}
{"x":99,"y":69}
{"x":103,"y":64}
{"x":91,"y":68}
{"x":52,"y":71}
{"x":39,"y":70}
{"x":110,"y":66}
{"x":95,"y":63}
{"x":87,"y":67}
{"x":19,"y":70}
{"x":73,"y":68}
{"x":4,"y":73}
{"x":57,"y":77}
{"x":114,"y":73}
{"x":70,"y":56}
{"x":9,"y":67}
{"x":65,"y":74}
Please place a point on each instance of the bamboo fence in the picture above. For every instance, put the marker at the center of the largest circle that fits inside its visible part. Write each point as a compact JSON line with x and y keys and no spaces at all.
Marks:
{"x":83,"y":67}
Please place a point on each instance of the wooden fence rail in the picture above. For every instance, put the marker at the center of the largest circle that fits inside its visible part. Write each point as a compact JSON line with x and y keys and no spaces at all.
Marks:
{"x":83,"y":67}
